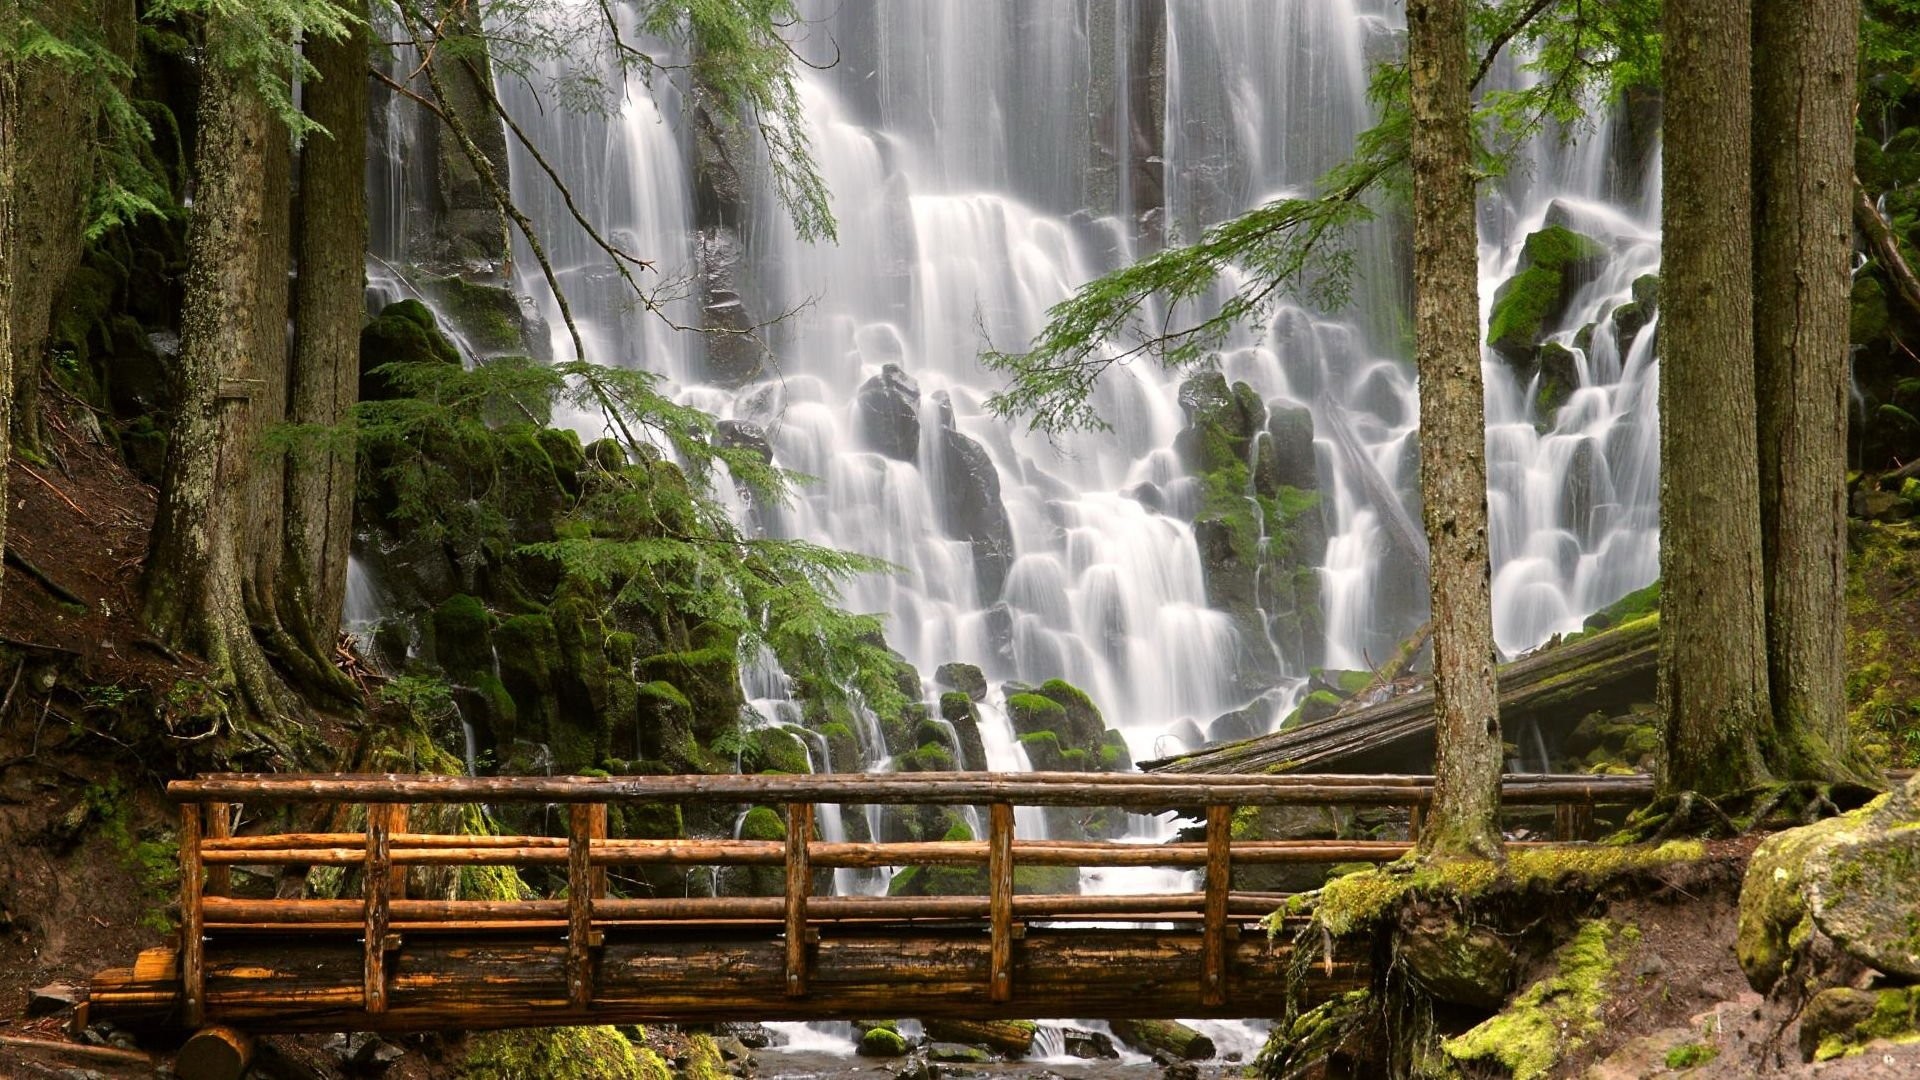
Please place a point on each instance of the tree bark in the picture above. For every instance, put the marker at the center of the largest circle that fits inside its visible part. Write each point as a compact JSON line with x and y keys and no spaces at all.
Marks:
{"x":331,"y":248}
{"x":193,"y":596}
{"x":9,"y":152}
{"x":1453,"y":469}
{"x":1713,"y":666}
{"x":1804,"y":74}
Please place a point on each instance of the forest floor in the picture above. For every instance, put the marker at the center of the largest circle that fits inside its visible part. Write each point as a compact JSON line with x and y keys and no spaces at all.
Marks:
{"x":87,"y":862}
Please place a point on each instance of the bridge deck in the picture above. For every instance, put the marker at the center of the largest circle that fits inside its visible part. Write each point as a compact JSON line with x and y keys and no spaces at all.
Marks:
{"x":384,"y":961}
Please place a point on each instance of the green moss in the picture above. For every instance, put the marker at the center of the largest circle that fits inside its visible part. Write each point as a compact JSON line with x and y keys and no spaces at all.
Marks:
{"x":1032,"y":713}
{"x":1895,"y":1018}
{"x":1555,"y":1015}
{"x":703,"y":1060}
{"x":571,"y":1053}
{"x":1356,"y":901}
{"x":927,"y":757}
{"x":1043,"y":751}
{"x":762,"y":823}
{"x":882,"y":1042}
{"x":460,"y":628}
{"x":487,"y":314}
{"x":1691,"y":1055}
{"x":1067,"y":695}
{"x":1523,"y":305}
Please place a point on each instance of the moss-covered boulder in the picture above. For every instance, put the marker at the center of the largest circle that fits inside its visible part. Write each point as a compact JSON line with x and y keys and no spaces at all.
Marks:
{"x":957,"y":708}
{"x":461,"y":628}
{"x":1032,"y":714}
{"x":1840,"y":1021}
{"x":708,"y":677}
{"x":1083,"y":726}
{"x":403,"y":333}
{"x":1630,"y":318}
{"x":1853,"y":879}
{"x":1553,"y":263}
{"x":882,"y":1042}
{"x":489,"y":317}
{"x":1554,"y":1016}
{"x":1558,"y":376}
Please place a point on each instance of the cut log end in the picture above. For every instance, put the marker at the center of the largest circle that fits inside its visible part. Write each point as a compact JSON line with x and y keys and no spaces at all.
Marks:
{"x":214,"y":1053}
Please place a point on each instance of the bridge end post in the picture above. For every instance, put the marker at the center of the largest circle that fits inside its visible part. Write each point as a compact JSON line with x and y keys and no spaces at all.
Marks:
{"x":192,"y":920}
{"x":799,"y":886}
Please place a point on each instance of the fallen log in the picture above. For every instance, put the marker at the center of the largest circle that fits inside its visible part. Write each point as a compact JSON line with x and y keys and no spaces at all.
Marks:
{"x":1553,"y":687}
{"x":1014,"y":1037}
{"x":1169,"y":1037}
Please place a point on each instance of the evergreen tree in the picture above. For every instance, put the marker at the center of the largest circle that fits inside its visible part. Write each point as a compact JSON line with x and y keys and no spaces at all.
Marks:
{"x":1713,"y":671}
{"x":1453,"y":468}
{"x":9,"y":117}
{"x":1804,"y":83}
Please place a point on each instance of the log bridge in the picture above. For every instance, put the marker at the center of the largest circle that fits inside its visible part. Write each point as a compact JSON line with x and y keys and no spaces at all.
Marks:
{"x":387,"y":961}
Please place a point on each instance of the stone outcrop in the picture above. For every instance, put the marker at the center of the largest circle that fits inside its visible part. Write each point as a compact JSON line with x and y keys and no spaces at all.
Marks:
{"x":969,"y":504}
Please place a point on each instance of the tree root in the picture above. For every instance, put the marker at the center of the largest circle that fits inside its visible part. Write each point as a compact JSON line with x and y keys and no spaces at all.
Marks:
{"x":1781,"y":805}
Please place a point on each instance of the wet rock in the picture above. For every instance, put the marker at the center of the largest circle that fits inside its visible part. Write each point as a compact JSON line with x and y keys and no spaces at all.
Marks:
{"x":1559,"y":377}
{"x":957,"y":1054}
{"x":1149,"y":495}
{"x":887,"y":413}
{"x":971,"y":509}
{"x":1553,"y":263}
{"x":1580,"y":495}
{"x":999,"y":619}
{"x":957,"y":709}
{"x":965,"y":678}
{"x":1886,"y":506}
{"x":1833,"y":1012}
{"x":736,"y":357}
{"x":1239,"y":724}
{"x":742,"y":435}
{"x":1295,"y":464}
{"x":1088,"y":1045}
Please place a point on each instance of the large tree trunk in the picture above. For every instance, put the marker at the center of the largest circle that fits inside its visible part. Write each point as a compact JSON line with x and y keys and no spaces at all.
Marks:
{"x":9,"y":152}
{"x":1713,"y":667}
{"x":331,"y":247}
{"x":193,"y":589}
{"x":1453,"y":436}
{"x":1803,"y":95}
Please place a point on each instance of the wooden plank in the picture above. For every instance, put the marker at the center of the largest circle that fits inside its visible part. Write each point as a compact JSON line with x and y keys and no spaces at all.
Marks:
{"x":377,"y":885}
{"x":1023,"y":789}
{"x":307,"y":984}
{"x":580,"y":829}
{"x":1213,"y":953}
{"x":799,"y":885}
{"x":192,"y":932}
{"x":1416,"y":822}
{"x":1000,"y":901}
{"x":218,"y":826}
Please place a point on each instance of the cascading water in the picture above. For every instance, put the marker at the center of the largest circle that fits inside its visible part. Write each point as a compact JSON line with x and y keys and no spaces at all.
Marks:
{"x":984,"y":159}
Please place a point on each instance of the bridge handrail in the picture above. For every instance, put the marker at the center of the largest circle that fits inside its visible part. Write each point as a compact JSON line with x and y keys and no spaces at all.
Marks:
{"x":385,"y":850}
{"x":960,"y":788}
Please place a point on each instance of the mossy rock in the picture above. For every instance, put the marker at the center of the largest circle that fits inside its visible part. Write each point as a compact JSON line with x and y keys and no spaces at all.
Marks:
{"x":1558,"y":377}
{"x":1113,"y":754}
{"x":1854,"y":879}
{"x":1316,"y":706}
{"x":403,"y":333}
{"x":528,"y":649}
{"x":1556,"y":1015}
{"x":1839,"y":1022}
{"x":460,"y":637}
{"x":575,"y":1053}
{"x":708,"y":677}
{"x":1552,"y":263}
{"x":1637,"y":604}
{"x":1084,"y":725}
{"x":776,"y":750}
{"x":963,"y":678}
{"x":1032,"y":714}
{"x":1043,"y":751}
{"x":881,"y":1042}
{"x":927,"y":757}
{"x":489,"y":316}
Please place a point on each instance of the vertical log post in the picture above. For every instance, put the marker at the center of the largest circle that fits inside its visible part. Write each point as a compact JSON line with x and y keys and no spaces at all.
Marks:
{"x":1416,"y":821}
{"x":397,"y":817}
{"x":584,"y":826}
{"x":1213,"y":946}
{"x":219,"y":826}
{"x":1000,"y":901}
{"x":378,"y":888}
{"x":597,"y":877}
{"x":192,"y":942}
{"x":799,"y":884}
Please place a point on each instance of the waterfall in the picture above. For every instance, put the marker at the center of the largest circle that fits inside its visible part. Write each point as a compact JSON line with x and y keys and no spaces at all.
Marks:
{"x":984,"y":159}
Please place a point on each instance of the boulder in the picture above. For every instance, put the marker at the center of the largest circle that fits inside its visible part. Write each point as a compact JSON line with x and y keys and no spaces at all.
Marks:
{"x":970,"y":509}
{"x":965,"y":678}
{"x":887,"y":413}
{"x":1553,"y":263}
{"x":1853,"y":879}
{"x":1558,"y":378}
{"x":958,"y":709}
{"x":736,"y":357}
{"x":1295,"y":463}
{"x":743,"y":435}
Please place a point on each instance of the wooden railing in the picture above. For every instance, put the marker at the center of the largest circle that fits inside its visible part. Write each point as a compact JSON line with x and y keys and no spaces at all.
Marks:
{"x":385,"y":851}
